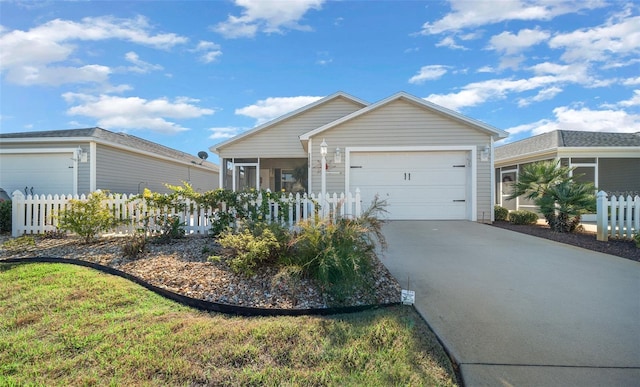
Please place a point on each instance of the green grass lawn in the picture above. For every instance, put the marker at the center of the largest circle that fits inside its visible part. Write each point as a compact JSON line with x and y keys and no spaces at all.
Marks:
{"x":68,"y":325}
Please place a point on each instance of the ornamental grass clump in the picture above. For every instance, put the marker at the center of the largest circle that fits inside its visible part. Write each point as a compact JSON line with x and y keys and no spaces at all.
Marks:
{"x":339,"y":255}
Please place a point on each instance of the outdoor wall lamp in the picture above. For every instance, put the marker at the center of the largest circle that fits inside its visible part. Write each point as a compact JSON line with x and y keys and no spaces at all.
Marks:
{"x":337,"y":157}
{"x":81,"y":155}
{"x":484,"y":154}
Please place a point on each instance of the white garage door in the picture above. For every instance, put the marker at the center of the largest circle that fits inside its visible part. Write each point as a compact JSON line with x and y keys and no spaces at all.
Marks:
{"x":416,"y":185}
{"x":50,"y":173}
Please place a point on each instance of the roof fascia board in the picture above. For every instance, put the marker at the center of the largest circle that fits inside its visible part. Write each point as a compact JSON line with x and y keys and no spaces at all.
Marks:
{"x":619,"y":152}
{"x":282,"y":118}
{"x":541,"y":155}
{"x":419,"y":101}
{"x":101,"y":141}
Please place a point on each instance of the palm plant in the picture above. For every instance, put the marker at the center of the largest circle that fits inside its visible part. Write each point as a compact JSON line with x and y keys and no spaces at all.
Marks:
{"x":561,"y":199}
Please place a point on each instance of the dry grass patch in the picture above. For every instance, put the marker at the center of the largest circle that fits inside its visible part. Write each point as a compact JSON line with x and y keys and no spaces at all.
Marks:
{"x":67,"y":325}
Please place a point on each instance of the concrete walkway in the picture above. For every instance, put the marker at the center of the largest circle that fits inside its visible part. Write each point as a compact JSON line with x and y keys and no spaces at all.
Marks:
{"x":518,"y":310}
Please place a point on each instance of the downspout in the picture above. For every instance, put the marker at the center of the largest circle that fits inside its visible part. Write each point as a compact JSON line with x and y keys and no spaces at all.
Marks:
{"x":221,"y":171}
{"x":309,"y":166}
{"x":93,"y":166}
{"x":493,"y":184}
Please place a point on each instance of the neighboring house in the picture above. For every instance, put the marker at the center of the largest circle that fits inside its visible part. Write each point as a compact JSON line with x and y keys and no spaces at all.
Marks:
{"x":609,"y":160}
{"x":428,"y":162}
{"x":80,"y":161}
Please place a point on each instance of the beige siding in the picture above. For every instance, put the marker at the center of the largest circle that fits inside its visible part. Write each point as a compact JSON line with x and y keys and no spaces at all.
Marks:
{"x":281,"y":140}
{"x":402,"y":123}
{"x":127,"y":172}
{"x":84,"y":172}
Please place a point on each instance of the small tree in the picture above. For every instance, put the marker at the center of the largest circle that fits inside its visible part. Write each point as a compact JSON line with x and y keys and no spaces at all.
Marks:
{"x":88,"y":217}
{"x":561,"y":199}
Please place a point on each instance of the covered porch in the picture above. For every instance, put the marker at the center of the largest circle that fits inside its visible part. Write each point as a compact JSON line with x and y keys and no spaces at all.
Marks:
{"x":275,"y":174}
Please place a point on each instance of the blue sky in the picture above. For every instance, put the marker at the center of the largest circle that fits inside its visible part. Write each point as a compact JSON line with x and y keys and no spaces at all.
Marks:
{"x":190,"y":74}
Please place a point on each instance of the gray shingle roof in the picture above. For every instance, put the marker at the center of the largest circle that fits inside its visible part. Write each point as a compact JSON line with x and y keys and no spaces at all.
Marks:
{"x":116,"y":138}
{"x":566,"y":138}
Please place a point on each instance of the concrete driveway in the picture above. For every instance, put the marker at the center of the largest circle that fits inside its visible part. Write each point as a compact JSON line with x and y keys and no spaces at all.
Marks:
{"x":518,"y":310}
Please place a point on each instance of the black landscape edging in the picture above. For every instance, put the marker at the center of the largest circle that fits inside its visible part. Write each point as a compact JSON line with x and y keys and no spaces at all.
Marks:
{"x":202,"y":304}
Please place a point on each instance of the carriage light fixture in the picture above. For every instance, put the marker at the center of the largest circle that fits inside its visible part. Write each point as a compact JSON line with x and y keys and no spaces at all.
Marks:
{"x":323,"y":148}
{"x":81,"y":155}
{"x":337,"y":157}
{"x":484,"y":154}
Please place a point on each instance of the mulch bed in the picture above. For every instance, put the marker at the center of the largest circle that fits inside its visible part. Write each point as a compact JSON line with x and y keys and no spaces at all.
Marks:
{"x":585,"y":239}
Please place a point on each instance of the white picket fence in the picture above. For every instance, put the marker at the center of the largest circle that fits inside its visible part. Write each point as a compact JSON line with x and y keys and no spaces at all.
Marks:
{"x":37,"y":214}
{"x":617,"y":217}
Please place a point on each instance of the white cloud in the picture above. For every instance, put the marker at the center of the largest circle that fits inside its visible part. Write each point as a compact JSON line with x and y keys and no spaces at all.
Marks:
{"x":618,"y":38}
{"x":324,"y":58}
{"x":224,"y":133}
{"x":486,"y":69}
{"x":479,"y":92}
{"x":525,"y":128}
{"x":273,"y":107}
{"x":544,"y":94}
{"x":266,"y":16}
{"x":466,"y":14}
{"x":28,"y":56}
{"x":428,"y":73}
{"x":583,"y":119}
{"x":511,"y":44}
{"x":139,"y":66}
{"x":55,"y":76}
{"x":209,"y":51}
{"x":633,"y":101}
{"x":450,"y":42}
{"x":631,"y":81}
{"x":134,"y":112}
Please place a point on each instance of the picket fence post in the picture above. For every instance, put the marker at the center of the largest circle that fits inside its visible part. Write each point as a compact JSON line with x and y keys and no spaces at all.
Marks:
{"x":602,"y":216}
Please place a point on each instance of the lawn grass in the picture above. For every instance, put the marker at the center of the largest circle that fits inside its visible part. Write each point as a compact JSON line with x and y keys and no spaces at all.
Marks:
{"x":68,"y":325}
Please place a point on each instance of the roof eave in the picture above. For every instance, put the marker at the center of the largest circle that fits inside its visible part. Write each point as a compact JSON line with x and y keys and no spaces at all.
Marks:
{"x":495,"y":132}
{"x":216,"y":148}
{"x":85,"y":139}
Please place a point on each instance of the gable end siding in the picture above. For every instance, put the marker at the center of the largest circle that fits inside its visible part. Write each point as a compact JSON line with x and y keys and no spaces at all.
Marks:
{"x":282,"y":140}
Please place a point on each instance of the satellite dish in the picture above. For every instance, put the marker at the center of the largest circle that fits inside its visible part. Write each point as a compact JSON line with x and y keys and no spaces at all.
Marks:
{"x":203,"y":155}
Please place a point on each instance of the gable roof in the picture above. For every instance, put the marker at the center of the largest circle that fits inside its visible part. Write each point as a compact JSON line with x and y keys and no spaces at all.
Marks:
{"x":566,"y":139}
{"x":420,"y":102}
{"x":287,"y":116}
{"x":109,"y":138}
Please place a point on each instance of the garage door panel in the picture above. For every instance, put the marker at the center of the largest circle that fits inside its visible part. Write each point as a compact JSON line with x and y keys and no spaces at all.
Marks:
{"x":415,"y":185}
{"x":47,"y":173}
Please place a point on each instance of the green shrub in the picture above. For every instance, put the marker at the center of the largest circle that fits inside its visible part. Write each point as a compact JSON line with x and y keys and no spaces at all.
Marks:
{"x":171,"y":227}
{"x":5,"y":215}
{"x":562,"y":200}
{"x":500,"y":213}
{"x":88,"y":217}
{"x":523,"y":217}
{"x":249,"y":248}
{"x":135,"y":246}
{"x":637,"y":240}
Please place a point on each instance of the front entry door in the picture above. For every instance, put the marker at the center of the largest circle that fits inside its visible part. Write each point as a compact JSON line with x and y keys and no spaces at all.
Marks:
{"x":246,"y":176}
